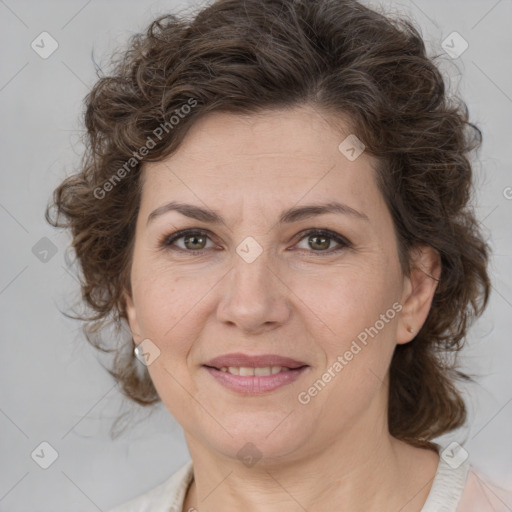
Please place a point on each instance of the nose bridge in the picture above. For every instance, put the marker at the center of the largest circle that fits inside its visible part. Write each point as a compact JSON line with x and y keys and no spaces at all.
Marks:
{"x":252,"y":266}
{"x":253,"y":295}
{"x":252,"y":277}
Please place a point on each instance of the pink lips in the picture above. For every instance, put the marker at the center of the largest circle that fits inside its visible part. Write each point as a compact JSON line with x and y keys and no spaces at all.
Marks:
{"x":255,"y":384}
{"x":239,"y":359}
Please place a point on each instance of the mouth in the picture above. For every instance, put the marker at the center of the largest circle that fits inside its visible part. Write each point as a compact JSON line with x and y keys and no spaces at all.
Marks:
{"x":259,"y":371}
{"x":255,"y":374}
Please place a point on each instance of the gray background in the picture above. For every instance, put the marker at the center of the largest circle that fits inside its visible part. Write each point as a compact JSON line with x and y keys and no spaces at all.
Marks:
{"x":54,"y":388}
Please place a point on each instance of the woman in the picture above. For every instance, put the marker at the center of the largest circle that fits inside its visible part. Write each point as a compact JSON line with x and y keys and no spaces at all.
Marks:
{"x":275,"y":198}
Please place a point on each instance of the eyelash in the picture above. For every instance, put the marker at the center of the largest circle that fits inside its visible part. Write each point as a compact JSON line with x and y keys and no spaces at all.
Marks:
{"x":168,"y":240}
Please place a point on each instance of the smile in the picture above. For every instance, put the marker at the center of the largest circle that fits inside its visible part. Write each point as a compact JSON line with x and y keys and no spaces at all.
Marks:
{"x":248,"y":371}
{"x":255,"y":380}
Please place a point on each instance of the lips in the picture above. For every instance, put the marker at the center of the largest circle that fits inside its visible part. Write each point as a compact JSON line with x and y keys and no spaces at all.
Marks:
{"x":255,"y":375}
{"x":259,"y":361}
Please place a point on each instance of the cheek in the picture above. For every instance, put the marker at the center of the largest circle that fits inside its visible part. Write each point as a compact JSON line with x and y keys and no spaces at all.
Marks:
{"x":349,"y":300}
{"x":167,"y":311}
{"x":159,"y":306}
{"x":168,"y":308}
{"x":358,"y":342}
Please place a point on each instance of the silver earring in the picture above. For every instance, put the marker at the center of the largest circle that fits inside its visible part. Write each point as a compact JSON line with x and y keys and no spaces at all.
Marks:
{"x":411,"y":330}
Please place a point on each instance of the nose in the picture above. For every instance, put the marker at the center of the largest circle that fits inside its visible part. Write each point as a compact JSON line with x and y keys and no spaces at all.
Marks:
{"x":255,"y":297}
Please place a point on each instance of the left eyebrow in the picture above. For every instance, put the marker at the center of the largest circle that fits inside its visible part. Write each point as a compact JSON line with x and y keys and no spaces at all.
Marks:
{"x":305,"y":212}
{"x":288,"y":216}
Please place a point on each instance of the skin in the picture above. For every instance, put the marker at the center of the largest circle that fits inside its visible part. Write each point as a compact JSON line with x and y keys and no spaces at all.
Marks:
{"x":293,"y":300}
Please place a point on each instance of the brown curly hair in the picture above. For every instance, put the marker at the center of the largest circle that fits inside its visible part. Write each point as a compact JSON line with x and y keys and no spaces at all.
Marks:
{"x":244,"y":57}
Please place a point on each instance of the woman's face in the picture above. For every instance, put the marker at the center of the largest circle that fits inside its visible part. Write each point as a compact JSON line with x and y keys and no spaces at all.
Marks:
{"x":254,"y":284}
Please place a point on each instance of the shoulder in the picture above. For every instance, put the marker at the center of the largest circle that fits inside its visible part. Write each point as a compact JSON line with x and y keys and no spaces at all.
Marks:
{"x":460,"y":487}
{"x":166,"y":497}
{"x":482,"y":495}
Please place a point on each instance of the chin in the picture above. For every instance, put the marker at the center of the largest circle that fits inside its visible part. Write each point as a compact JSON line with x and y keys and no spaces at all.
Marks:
{"x":262,"y":436}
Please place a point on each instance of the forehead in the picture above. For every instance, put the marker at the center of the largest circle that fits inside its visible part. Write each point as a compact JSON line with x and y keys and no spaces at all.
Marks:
{"x":280,"y":157}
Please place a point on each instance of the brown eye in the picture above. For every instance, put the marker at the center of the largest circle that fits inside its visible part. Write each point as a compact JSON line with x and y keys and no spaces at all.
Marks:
{"x":319,"y":241}
{"x":195,"y":241}
{"x":190,"y":241}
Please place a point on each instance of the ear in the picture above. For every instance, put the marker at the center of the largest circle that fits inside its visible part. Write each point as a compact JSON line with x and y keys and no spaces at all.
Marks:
{"x":131,"y":315}
{"x":418,"y":291}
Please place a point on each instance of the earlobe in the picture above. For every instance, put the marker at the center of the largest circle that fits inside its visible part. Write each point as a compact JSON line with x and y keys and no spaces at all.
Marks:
{"x":131,"y":315}
{"x":418,"y":291}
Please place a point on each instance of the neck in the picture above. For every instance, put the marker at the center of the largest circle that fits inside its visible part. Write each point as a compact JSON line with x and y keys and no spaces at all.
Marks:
{"x":371,"y":473}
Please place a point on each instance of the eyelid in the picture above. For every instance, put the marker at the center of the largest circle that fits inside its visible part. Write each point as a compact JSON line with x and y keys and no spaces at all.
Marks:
{"x":168,"y":240}
{"x":342,"y":241}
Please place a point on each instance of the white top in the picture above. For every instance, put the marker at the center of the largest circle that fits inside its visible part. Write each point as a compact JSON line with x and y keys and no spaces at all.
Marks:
{"x":459,"y":489}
